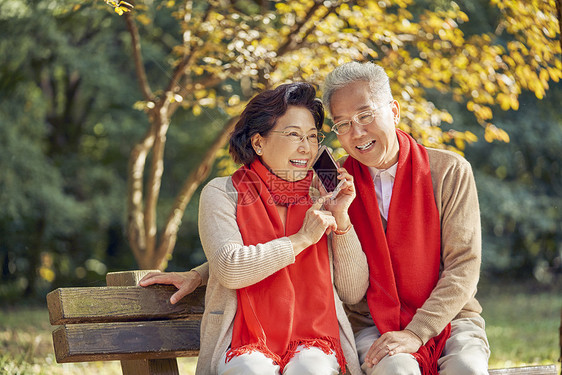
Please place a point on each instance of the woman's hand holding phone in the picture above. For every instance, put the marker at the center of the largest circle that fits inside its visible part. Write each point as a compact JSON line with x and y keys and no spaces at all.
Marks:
{"x":339,"y":205}
{"x":335,"y":178}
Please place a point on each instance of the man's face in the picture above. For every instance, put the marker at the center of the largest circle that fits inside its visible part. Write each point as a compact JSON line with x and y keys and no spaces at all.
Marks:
{"x":374,"y":144}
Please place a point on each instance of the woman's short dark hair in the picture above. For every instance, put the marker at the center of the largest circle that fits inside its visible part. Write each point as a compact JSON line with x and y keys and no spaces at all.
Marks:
{"x":261,"y":114}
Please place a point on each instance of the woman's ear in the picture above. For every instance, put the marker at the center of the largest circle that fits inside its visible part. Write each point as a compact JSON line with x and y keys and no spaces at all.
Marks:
{"x":257,"y":143}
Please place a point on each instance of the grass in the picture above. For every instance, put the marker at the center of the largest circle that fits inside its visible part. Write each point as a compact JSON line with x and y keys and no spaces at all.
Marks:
{"x":26,"y":348}
{"x":522,"y":322}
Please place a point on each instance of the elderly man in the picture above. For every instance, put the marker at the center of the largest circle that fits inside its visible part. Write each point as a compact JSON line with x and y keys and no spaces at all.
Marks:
{"x":417,"y":217}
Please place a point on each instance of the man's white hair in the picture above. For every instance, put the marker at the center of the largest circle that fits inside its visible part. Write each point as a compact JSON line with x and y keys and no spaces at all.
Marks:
{"x":354,"y":71}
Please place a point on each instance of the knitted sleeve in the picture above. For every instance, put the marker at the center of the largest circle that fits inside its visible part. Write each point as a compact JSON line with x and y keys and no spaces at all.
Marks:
{"x":457,"y":202}
{"x":351,"y":273}
{"x":235,"y":265}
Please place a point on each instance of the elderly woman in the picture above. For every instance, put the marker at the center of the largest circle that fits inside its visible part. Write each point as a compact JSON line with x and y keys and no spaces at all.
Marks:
{"x":279,"y":265}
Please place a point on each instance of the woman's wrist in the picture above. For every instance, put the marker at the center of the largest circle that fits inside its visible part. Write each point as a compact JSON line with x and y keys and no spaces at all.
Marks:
{"x":343,"y":231}
{"x":343,"y":222}
{"x":299,"y":242}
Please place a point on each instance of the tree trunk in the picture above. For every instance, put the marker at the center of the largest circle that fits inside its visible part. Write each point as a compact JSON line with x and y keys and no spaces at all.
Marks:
{"x":35,"y":257}
{"x":191,"y":184}
{"x":142,"y":225}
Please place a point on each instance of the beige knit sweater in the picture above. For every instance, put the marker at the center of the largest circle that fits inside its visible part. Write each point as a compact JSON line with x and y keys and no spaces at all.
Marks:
{"x":454,"y":295}
{"x":231,"y":265}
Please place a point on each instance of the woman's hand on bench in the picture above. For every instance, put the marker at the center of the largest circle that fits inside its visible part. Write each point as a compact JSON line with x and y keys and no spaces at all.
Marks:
{"x":186,"y":282}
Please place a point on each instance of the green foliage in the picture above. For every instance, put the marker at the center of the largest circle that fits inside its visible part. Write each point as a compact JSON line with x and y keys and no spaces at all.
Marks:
{"x":520,"y":190}
{"x":61,"y":189}
{"x":68,"y":120}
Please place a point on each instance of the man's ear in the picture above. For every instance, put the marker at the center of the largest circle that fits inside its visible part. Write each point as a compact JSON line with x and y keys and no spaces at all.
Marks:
{"x":395,"y":106}
{"x":257,"y":143}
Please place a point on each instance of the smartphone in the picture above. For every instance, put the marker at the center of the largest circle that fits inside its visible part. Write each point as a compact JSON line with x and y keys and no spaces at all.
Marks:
{"x":327,"y":171}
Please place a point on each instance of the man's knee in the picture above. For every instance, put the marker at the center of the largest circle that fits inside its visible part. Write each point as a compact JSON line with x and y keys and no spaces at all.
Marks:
{"x":398,"y":364}
{"x":467,"y":350}
{"x":464,"y":365}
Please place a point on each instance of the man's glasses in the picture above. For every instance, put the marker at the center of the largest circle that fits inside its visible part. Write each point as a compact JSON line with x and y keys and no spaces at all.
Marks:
{"x":362,"y":118}
{"x":296,"y":137}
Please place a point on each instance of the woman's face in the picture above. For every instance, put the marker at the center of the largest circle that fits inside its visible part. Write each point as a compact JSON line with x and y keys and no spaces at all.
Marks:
{"x":282,"y":151}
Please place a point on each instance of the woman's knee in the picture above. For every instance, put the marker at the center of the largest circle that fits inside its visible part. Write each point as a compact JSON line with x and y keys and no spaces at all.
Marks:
{"x":254,"y":363}
{"x":312,"y":361}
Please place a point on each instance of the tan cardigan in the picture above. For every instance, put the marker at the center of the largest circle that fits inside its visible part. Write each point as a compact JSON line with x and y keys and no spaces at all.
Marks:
{"x":453,"y":297}
{"x":231,"y":265}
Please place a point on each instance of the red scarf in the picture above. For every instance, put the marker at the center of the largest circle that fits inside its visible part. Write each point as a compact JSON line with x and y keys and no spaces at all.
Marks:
{"x":404,"y":261}
{"x":294,"y":306}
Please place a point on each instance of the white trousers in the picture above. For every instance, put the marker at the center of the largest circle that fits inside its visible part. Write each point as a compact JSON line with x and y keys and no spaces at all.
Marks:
{"x":466,"y":352}
{"x":307,"y":361}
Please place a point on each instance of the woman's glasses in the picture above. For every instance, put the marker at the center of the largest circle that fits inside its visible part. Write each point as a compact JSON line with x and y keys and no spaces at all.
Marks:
{"x":296,"y":137}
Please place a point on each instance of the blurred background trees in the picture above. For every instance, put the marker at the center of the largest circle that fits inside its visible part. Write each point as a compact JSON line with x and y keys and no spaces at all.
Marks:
{"x":109,"y":124}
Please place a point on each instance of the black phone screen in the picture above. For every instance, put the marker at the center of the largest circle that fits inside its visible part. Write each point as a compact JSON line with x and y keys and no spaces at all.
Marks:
{"x":327,"y":171}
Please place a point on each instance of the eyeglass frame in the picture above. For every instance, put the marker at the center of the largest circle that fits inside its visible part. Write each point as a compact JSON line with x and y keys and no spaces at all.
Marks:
{"x":354,"y":118}
{"x":320,"y":136}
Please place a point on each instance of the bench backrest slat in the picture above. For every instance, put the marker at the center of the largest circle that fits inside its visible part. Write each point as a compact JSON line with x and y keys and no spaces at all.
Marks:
{"x":114,"y":304}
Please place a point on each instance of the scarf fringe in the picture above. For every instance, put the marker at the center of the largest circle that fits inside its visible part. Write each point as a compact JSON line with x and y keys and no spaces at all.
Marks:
{"x":428,"y":355}
{"x":259,"y":346}
{"x":326,"y":344}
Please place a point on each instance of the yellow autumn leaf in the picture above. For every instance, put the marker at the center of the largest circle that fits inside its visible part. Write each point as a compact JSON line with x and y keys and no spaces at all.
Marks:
{"x":502,"y":135}
{"x":143,"y":18}
{"x":47,"y":274}
{"x":489,"y":135}
{"x":504,"y":101}
{"x":470,"y":137}
{"x":514,"y":103}
{"x":200,"y":94}
{"x":447,"y":117}
{"x":459,"y":143}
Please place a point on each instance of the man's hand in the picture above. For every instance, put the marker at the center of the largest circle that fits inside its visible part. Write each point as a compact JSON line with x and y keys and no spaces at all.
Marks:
{"x":392,"y":343}
{"x":186,"y":282}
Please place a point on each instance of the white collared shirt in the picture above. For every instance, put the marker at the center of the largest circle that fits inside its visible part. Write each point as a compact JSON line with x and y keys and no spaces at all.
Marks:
{"x":384,"y":181}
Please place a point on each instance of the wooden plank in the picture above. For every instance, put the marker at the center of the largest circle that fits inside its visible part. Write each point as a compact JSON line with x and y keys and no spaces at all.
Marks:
{"x":126,"y":278}
{"x":530,"y":370}
{"x":103,"y":304}
{"x":143,"y":366}
{"x":126,"y":341}
{"x":150,"y":367}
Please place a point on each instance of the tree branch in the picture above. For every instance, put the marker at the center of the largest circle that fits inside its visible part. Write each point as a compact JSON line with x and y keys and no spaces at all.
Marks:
{"x":191,"y":184}
{"x":328,"y":11}
{"x":185,"y":62}
{"x":137,"y":56}
{"x":161,"y":122}
{"x":135,"y":220}
{"x":297,"y":27}
{"x":559,"y":14}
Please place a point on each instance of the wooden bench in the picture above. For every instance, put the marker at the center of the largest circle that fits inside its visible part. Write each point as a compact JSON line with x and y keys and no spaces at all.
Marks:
{"x":139,"y":326}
